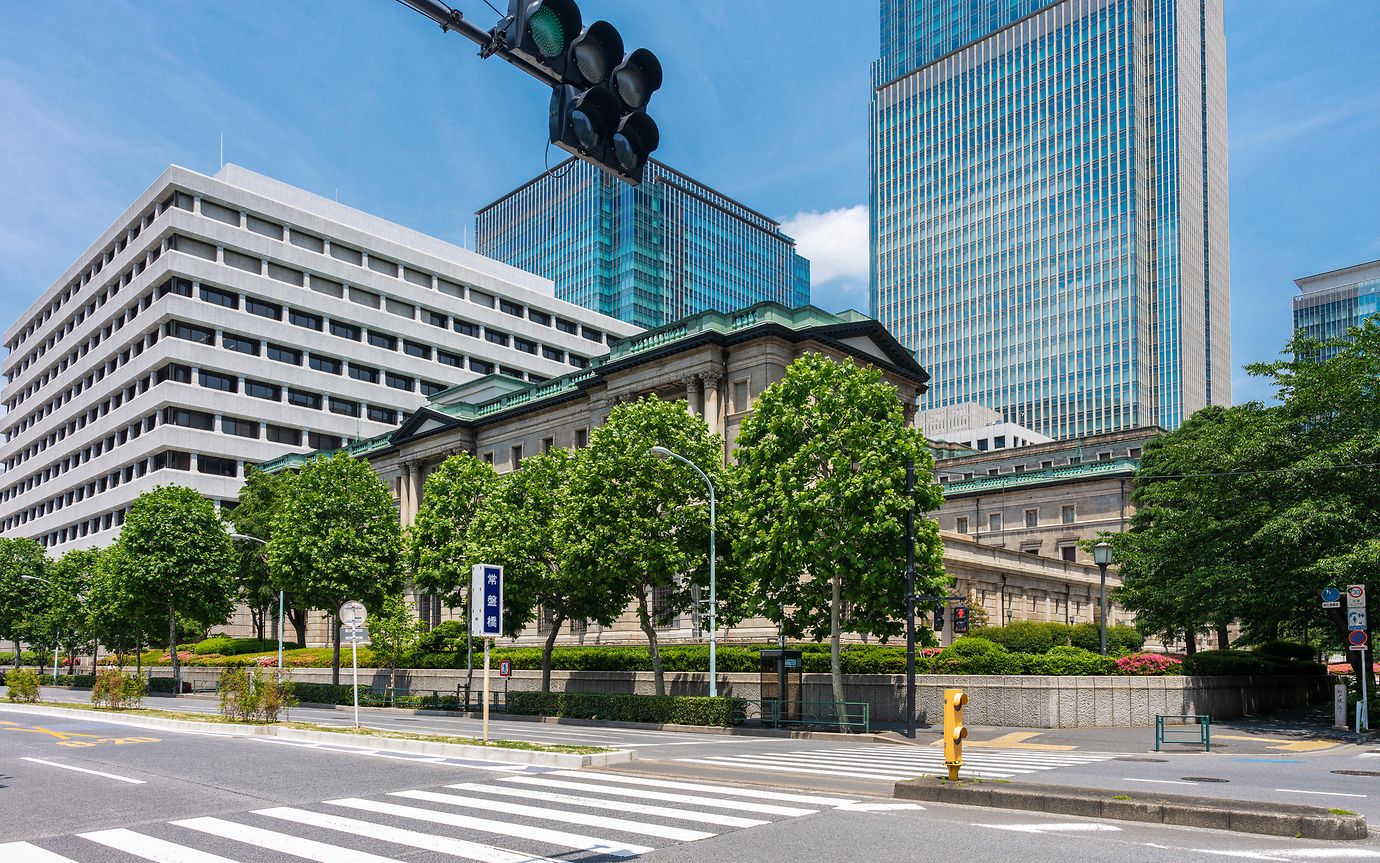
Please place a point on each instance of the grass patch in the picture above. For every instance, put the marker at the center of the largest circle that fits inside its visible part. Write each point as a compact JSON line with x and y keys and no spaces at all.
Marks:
{"x":1341,"y":812}
{"x":444,"y":738}
{"x":1121,"y":797}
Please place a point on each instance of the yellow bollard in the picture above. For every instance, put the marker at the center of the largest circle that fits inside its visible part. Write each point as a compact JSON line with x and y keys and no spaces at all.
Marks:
{"x":954,"y":730}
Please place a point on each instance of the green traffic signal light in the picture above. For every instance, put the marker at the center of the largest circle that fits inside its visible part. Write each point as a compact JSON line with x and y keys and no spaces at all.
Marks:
{"x":547,"y":32}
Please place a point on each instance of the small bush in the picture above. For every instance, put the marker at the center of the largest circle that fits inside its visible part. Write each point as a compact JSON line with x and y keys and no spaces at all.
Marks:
{"x":115,"y":691}
{"x":1086,"y":635}
{"x":660,"y":709}
{"x":23,"y":686}
{"x":1124,"y":639}
{"x":1225,"y":662}
{"x":221,"y":645}
{"x":1147,"y":665}
{"x":162,"y":686}
{"x":252,"y":696}
{"x":1287,"y":651}
{"x":327,"y":693}
{"x":1025,"y":636}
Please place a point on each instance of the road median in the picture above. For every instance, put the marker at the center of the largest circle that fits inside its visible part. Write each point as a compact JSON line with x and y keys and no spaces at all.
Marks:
{"x":392,"y":742}
{"x":1242,"y":816}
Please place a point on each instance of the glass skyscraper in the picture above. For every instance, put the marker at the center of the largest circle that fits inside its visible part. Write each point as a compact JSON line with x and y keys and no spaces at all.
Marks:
{"x":663,"y":250}
{"x":1049,"y":206}
{"x":1332,"y":303}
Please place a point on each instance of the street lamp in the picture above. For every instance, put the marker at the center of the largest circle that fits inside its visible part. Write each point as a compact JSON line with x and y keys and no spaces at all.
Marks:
{"x":57,"y":637}
{"x":664,"y":453}
{"x":1102,"y":555}
{"x":247,"y":538}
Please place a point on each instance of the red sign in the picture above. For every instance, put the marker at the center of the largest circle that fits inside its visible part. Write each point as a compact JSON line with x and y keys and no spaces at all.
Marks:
{"x":505,"y":668}
{"x":1357,"y":637}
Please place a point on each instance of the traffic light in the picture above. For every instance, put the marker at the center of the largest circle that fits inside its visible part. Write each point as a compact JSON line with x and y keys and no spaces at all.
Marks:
{"x":541,"y":31}
{"x":954,"y":730}
{"x":599,"y":110}
{"x":960,"y":619}
{"x":939,"y":620}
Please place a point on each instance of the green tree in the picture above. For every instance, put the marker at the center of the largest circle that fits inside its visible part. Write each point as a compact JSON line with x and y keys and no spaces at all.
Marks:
{"x":174,"y":557}
{"x":114,"y":616}
{"x":70,"y":579}
{"x":260,"y":498}
{"x":336,"y":537}
{"x":19,"y":557}
{"x":518,"y":527}
{"x":638,"y":524}
{"x":820,"y":505}
{"x":438,"y":541}
{"x":394,"y":632}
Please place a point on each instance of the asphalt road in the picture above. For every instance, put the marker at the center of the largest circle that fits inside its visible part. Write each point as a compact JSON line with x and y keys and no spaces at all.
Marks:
{"x":89,"y":791}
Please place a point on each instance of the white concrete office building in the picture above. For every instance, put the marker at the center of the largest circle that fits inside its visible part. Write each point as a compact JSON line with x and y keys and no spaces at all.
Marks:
{"x":224,"y":321}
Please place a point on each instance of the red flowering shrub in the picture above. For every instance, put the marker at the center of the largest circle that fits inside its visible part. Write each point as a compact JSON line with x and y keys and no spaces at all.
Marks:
{"x":1147,"y":665}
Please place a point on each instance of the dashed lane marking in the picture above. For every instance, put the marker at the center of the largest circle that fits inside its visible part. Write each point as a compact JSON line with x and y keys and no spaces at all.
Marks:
{"x":86,"y":770}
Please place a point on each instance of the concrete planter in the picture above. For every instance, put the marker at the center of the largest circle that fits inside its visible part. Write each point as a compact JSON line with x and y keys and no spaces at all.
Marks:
{"x":1021,"y":701}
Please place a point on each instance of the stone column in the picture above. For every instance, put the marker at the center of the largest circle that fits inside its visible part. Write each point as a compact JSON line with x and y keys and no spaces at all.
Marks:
{"x":712,"y":413}
{"x":414,"y":495}
{"x":405,"y":494}
{"x":692,"y":395}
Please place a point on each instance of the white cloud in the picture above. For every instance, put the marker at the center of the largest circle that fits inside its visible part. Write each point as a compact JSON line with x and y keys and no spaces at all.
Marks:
{"x":836,"y":244}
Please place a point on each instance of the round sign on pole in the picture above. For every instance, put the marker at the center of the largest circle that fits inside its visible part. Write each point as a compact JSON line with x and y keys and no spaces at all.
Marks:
{"x":1355,"y":591}
{"x":1331,"y":594}
{"x":1357,"y":637}
{"x":352,"y":613}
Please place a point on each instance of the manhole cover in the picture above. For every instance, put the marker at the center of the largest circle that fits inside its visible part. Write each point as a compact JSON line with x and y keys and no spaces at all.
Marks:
{"x":1146,"y":760}
{"x":1204,"y":779}
{"x":1357,"y":772}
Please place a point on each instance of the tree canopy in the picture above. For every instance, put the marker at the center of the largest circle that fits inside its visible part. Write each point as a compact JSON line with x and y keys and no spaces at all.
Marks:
{"x":438,"y":541}
{"x":18,"y":597}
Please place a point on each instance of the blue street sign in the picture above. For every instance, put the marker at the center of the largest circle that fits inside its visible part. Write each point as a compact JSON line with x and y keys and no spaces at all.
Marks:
{"x":486,"y":600}
{"x":1331,"y":594}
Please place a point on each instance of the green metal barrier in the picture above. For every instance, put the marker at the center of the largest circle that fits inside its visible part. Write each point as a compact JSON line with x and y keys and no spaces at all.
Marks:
{"x":855,"y":716}
{"x":1199,"y":733}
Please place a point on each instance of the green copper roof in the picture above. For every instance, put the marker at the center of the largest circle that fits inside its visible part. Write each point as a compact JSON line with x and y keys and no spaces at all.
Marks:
{"x":1007,"y":481}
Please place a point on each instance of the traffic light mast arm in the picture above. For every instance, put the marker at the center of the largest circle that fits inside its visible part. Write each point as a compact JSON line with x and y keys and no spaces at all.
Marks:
{"x":490,"y":42}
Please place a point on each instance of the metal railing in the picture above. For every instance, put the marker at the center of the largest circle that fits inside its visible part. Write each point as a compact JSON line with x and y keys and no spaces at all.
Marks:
{"x":1195,"y":728}
{"x":854,"y":716}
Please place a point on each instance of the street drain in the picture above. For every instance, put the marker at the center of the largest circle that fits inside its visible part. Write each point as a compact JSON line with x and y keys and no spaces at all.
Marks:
{"x":1203,"y":779}
{"x":1146,"y":760}
{"x":1357,"y":772}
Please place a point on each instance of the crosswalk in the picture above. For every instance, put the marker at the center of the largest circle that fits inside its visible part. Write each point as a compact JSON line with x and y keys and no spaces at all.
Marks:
{"x":890,"y":763}
{"x":534,"y":817}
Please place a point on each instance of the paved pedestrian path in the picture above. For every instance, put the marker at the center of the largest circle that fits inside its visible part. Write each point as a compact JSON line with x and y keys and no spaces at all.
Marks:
{"x":902,"y":762}
{"x":531,"y":817}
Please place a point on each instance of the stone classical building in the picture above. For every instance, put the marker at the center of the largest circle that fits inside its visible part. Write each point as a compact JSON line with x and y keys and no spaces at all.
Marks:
{"x":718,"y":364}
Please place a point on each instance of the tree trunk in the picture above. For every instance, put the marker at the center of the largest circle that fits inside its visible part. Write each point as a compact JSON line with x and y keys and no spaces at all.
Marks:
{"x":1190,"y":641}
{"x":139,"y":658}
{"x":556,"y":624}
{"x":835,"y":661}
{"x":259,"y":616}
{"x":1223,"y":637}
{"x":335,"y":648}
{"x":17,"y":651}
{"x":298,"y":618}
{"x":172,"y":650}
{"x":644,"y":619}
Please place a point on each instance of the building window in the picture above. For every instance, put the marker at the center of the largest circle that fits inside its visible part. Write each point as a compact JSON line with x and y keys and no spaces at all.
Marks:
{"x":1068,"y":552}
{"x":578,"y":361}
{"x":541,"y":319}
{"x":525,"y":346}
{"x":382,"y":340}
{"x":961,"y":524}
{"x":224,"y":383}
{"x":181,"y":287}
{"x":329,"y":365}
{"x":1046,"y":465}
{"x":465,"y":328}
{"x":239,"y":427}
{"x":263,"y":309}
{"x":999,"y":442}
{"x":304,"y":399}
{"x":1068,"y":513}
{"x":364,"y":373}
{"x":517,"y":456}
{"x":430,"y":389}
{"x":510,"y":372}
{"x":553,"y":354}
{"x":285,"y":435}
{"x":592,"y":334}
{"x":175,"y":372}
{"x":982,"y":445}
{"x":496,"y":337}
{"x":261,"y":390}
{"x":581,"y":438}
{"x":188,"y":419}
{"x":243,"y":345}
{"x":319,"y":441}
{"x":449,"y":359}
{"x":1104,"y":456}
{"x":488,"y":458}
{"x":480,"y":366}
{"x":1032,"y":518}
{"x":398,"y":382}
{"x":547,"y":443}
{"x":345,"y":331}
{"x":304,"y":319}
{"x":566,"y":326}
{"x":191,"y":333}
{"x":994,"y":522}
{"x":510,"y":308}
{"x":383,"y":415}
{"x":219,"y":297}
{"x":436,"y":319}
{"x":344,"y":407}
{"x":283,"y":354}
{"x":413,"y":349}
{"x":1030,"y":549}
{"x":172,"y":460}
{"x":1133,"y":452}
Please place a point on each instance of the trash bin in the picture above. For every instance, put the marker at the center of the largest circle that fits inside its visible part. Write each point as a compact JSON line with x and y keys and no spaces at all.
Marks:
{"x":781,"y":686}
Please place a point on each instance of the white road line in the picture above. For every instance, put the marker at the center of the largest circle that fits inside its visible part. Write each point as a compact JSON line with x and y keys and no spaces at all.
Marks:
{"x":613,"y":805}
{"x":665,"y":796}
{"x":281,"y":843}
{"x":1077,"y":827}
{"x":151,"y":847}
{"x":584,"y":819}
{"x":826,"y":767}
{"x":401,"y":836}
{"x":1159,"y":781}
{"x":1328,"y":854}
{"x":23,"y":852}
{"x":984,"y":774}
{"x":1321,"y":793}
{"x":85,"y":770}
{"x":503,"y":828}
{"x":731,"y":790}
{"x":865,"y":764}
{"x":1241,"y":855}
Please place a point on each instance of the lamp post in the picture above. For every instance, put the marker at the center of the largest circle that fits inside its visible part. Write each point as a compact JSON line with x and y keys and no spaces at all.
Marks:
{"x":1102,"y":555}
{"x":247,"y":538}
{"x":664,"y":453}
{"x":57,"y":637}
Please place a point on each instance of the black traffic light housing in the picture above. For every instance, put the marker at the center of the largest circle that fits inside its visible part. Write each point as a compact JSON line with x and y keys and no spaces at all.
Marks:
{"x":540,"y":31}
{"x":960,"y":619}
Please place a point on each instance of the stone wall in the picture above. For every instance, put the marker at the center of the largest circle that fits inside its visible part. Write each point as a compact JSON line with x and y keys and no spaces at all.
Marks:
{"x":1020,"y":701}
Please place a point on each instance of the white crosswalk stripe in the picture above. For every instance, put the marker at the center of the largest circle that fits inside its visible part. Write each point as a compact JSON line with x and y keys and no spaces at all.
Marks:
{"x":535,"y":818}
{"x":892,"y":763}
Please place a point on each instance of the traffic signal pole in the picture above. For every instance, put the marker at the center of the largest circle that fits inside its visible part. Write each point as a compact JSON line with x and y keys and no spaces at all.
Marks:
{"x":490,"y":42}
{"x":910,"y":599}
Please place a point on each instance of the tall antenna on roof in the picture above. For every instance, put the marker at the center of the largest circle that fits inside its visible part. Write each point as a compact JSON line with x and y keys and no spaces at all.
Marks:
{"x":222,"y":150}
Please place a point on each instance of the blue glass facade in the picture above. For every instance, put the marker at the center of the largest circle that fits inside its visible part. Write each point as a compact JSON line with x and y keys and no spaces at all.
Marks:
{"x":1332,"y":303}
{"x":1049,"y":206}
{"x":658,"y":252}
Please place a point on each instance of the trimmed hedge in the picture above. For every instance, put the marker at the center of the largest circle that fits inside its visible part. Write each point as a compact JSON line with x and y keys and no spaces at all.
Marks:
{"x":222,"y":645}
{"x":327,"y":693}
{"x":660,"y":709}
{"x":1243,"y":664}
{"x":1038,"y":637}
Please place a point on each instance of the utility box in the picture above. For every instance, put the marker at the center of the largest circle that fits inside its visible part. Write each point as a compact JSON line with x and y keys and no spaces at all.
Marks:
{"x":782,"y":691}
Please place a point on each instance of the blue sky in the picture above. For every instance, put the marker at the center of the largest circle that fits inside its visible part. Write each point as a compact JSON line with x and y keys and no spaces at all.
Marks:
{"x":766,"y":101}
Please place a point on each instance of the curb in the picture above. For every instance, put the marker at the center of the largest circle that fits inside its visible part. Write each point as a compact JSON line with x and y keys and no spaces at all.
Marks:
{"x":1242,"y":816}
{"x":563,"y":760}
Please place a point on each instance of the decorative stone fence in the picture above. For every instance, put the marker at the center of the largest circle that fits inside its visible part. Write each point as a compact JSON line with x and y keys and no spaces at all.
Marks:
{"x":1020,"y":701}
